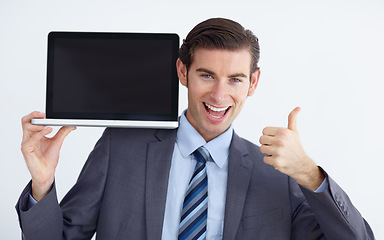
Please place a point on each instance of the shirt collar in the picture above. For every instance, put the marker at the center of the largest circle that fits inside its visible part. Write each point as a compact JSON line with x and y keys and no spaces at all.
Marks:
{"x":188,"y":140}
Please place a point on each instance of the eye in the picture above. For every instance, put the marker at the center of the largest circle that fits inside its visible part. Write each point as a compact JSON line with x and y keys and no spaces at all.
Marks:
{"x":207,"y":76}
{"x":235,"y":80}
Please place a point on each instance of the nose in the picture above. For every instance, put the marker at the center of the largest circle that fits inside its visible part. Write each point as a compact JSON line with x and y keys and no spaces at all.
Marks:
{"x":219,"y":92}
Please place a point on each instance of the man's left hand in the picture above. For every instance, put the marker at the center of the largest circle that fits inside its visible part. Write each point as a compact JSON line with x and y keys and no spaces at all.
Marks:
{"x":286,"y":154}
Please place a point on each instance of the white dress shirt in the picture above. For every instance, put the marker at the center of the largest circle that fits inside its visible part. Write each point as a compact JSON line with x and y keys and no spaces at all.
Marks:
{"x":182,"y":167}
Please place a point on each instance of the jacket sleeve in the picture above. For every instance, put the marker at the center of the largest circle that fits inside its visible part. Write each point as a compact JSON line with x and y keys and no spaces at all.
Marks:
{"x":76,"y":216}
{"x":46,"y":215}
{"x":336,"y":215}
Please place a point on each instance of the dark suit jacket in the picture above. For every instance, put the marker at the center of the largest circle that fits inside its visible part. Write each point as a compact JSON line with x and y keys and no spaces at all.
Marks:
{"x":121,"y":194}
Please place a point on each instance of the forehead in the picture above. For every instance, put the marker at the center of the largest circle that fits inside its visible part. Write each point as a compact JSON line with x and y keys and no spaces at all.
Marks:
{"x":222,"y":60}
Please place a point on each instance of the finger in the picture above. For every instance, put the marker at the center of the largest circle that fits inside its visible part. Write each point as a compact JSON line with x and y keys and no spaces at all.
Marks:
{"x":62,"y":133}
{"x":268,"y":150}
{"x":28,"y":127}
{"x":29,"y":145}
{"x":39,"y":135}
{"x":31,"y":128}
{"x":266,"y":140}
{"x":292,"y":119}
{"x":269,"y":160}
{"x":27,"y":119}
{"x":270,"y":131}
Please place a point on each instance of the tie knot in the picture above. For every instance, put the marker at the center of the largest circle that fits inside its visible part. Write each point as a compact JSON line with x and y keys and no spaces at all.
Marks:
{"x":202,"y":155}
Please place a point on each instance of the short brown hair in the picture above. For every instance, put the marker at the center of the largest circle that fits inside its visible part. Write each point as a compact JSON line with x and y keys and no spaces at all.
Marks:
{"x":219,"y":33}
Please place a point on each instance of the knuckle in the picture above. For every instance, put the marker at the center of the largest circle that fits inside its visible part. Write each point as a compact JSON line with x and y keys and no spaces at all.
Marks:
{"x":277,"y":166}
{"x":267,"y":160}
{"x":34,"y":113}
{"x":282,"y":132}
{"x":23,"y":147}
{"x":280,"y":164}
{"x":283,"y":167}
{"x":279,"y":152}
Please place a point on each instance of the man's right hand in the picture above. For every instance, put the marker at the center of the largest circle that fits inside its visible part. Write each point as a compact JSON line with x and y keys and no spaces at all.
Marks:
{"x":41,"y":153}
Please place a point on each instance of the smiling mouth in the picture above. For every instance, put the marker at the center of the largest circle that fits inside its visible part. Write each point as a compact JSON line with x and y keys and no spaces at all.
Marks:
{"x":216,"y":112}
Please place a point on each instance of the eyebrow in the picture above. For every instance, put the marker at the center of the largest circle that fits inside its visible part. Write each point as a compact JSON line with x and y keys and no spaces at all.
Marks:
{"x":205,"y":71}
{"x":235,"y":75}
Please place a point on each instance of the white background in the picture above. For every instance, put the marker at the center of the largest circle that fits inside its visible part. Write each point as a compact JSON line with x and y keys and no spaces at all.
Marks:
{"x":325,"y":56}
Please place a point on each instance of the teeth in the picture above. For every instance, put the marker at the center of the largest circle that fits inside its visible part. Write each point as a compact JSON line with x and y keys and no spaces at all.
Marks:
{"x":216,"y":109}
{"x":215,"y":116}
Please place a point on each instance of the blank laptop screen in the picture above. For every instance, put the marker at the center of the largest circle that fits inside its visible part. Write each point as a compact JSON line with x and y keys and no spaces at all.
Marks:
{"x":120,"y":76}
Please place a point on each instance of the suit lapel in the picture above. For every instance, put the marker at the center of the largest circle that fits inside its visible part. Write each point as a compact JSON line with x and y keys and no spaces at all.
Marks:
{"x":158,"y":165}
{"x":239,"y":175}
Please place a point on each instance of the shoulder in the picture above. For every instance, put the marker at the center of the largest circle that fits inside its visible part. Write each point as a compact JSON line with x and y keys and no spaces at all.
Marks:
{"x":119,"y":142}
{"x":138,"y":134}
{"x":135,"y":138}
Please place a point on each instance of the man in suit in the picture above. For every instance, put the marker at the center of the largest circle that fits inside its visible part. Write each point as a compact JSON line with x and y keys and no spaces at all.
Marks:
{"x":135,"y":180}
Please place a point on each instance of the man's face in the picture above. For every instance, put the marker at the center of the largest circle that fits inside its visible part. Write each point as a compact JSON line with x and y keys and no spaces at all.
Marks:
{"x":218,"y":83}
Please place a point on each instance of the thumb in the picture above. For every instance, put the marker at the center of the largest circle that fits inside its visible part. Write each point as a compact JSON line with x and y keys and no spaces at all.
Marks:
{"x":292,"y":119}
{"x":62,"y":133}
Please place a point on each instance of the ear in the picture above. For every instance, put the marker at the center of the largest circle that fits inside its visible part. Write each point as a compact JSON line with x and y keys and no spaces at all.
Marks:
{"x":254,"y":81}
{"x":182,"y":72}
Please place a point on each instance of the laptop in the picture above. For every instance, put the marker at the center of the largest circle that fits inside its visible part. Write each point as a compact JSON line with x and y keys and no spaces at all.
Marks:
{"x":112,"y":80}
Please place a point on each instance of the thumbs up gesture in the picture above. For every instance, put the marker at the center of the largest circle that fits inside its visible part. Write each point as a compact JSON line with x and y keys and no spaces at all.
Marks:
{"x":286,"y":154}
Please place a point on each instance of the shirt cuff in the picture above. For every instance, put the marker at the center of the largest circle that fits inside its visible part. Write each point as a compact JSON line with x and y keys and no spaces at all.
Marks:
{"x":323,"y":186}
{"x":31,"y":201}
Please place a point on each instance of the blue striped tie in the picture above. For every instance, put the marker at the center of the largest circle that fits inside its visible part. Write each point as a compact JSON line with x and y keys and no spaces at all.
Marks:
{"x":193,"y":223}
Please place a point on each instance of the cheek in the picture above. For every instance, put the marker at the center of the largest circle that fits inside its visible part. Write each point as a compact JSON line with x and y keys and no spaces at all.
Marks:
{"x":194,"y":98}
{"x":240,"y":96}
{"x":195,"y":92}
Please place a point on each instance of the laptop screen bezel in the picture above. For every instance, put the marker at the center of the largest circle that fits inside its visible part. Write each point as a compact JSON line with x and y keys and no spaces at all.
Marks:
{"x":50,"y":108}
